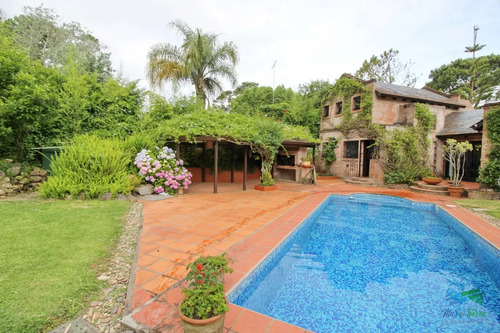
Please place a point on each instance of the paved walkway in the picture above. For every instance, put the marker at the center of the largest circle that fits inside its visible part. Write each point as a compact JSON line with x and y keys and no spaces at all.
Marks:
{"x":248,"y":225}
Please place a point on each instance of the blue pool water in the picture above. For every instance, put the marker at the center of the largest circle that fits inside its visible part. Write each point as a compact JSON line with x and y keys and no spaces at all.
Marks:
{"x":372,"y":263}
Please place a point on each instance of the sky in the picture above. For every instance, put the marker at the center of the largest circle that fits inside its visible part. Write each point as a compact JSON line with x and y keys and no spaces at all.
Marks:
{"x":308,"y":39}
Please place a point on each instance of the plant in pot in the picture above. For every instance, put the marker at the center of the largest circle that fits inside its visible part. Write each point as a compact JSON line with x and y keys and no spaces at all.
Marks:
{"x":306,"y":161}
{"x":266,"y":181}
{"x":204,"y":306}
{"x":432,"y":180}
{"x":218,"y":265}
{"x":455,"y":154}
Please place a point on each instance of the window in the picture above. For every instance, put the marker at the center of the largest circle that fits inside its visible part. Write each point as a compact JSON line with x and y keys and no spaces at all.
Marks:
{"x":356,"y":103}
{"x":326,"y":111}
{"x":338,"y":109}
{"x":351,"y":149}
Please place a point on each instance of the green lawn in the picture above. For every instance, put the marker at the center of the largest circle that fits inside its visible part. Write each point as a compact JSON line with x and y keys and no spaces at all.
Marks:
{"x":48,"y":254}
{"x":493,"y":206}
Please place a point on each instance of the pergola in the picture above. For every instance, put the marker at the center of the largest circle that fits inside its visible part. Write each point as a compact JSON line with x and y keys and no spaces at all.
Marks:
{"x":211,"y":141}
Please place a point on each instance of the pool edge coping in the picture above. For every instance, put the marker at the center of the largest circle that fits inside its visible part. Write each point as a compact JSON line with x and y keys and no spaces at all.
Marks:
{"x":325,"y":195}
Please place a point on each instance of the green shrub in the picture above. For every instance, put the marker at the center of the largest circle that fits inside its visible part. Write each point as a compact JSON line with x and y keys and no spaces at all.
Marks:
{"x":91,"y":165}
{"x":489,"y":174}
{"x":398,"y":178}
{"x":329,"y":153}
{"x":138,"y":142}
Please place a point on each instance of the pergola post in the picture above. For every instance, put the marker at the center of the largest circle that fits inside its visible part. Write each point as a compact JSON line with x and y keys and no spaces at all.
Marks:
{"x":314,"y":155}
{"x":203,"y":168}
{"x":245,"y":162}
{"x":232,"y":164}
{"x":216,"y":164}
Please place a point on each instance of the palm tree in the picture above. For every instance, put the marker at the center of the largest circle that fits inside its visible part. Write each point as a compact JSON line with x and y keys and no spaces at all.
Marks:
{"x":200,"y":60}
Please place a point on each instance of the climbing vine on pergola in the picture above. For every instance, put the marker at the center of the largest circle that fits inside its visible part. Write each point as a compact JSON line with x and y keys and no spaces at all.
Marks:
{"x":264,"y":136}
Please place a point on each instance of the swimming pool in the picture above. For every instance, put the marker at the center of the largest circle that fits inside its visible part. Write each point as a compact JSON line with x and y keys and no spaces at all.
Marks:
{"x":376,"y":263}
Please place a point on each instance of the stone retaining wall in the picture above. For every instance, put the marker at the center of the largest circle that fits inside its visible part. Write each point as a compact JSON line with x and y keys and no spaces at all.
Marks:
{"x":13,"y":180}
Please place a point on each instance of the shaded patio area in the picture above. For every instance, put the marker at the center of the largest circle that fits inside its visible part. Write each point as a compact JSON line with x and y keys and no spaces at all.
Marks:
{"x":246,"y":224}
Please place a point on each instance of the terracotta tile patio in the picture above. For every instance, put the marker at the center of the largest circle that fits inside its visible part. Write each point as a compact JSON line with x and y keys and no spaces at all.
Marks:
{"x":248,"y":225}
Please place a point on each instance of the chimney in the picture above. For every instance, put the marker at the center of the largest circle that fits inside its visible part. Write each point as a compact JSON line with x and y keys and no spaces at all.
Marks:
{"x":456,"y":97}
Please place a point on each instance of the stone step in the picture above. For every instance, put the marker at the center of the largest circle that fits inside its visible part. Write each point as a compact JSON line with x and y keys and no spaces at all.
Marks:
{"x":361,"y":181}
{"x":427,"y":191}
{"x":431,"y":187}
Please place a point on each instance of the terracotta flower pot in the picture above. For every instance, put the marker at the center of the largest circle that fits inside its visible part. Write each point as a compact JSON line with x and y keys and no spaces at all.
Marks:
{"x":432,"y":180}
{"x":210,"y":325}
{"x":266,"y":188}
{"x":456,"y":191}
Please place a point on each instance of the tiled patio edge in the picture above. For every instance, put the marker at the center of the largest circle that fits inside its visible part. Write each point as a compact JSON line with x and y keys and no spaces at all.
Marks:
{"x":133,"y":268}
{"x":128,"y":322}
{"x":474,"y":223}
{"x":255,"y":249}
{"x":323,"y":197}
{"x":250,"y":251}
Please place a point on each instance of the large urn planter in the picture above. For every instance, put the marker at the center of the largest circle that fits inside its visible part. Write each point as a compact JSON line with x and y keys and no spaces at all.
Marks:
{"x":210,"y":325}
{"x":265,"y":188}
{"x":456,"y":191}
{"x":432,"y":180}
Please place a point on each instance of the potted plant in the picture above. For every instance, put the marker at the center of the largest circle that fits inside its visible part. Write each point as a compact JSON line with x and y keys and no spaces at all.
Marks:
{"x":455,"y":154}
{"x":306,"y":161}
{"x":266,"y":182}
{"x":431,"y":180}
{"x":204,"y":308}
{"x":219,"y":265}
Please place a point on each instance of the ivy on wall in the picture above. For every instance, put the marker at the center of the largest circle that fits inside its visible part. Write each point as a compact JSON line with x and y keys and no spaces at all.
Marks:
{"x":490,"y":173}
{"x":329,"y":153}
{"x":403,"y":153}
{"x":347,"y":88}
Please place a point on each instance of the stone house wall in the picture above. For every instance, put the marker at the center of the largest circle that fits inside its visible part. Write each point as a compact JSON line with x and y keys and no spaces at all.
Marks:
{"x":392,"y":112}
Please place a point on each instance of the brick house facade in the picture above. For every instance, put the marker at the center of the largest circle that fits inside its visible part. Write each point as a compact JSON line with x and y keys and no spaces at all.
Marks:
{"x":393,"y":107}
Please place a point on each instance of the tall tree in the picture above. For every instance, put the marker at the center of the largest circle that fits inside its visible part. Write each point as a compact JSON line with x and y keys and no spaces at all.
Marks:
{"x":387,"y":68}
{"x":475,"y":79}
{"x":475,"y":47}
{"x":42,"y":34}
{"x":201,"y":60}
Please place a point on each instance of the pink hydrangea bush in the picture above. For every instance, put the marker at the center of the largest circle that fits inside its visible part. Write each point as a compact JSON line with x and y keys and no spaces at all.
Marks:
{"x":163,"y":170}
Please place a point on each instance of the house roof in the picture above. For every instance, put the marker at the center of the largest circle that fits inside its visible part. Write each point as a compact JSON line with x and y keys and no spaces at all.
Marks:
{"x":425,"y":94}
{"x":461,"y":122}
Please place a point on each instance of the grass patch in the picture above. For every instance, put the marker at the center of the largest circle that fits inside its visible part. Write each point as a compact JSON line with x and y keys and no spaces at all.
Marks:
{"x":49,"y":251}
{"x":492,"y":206}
